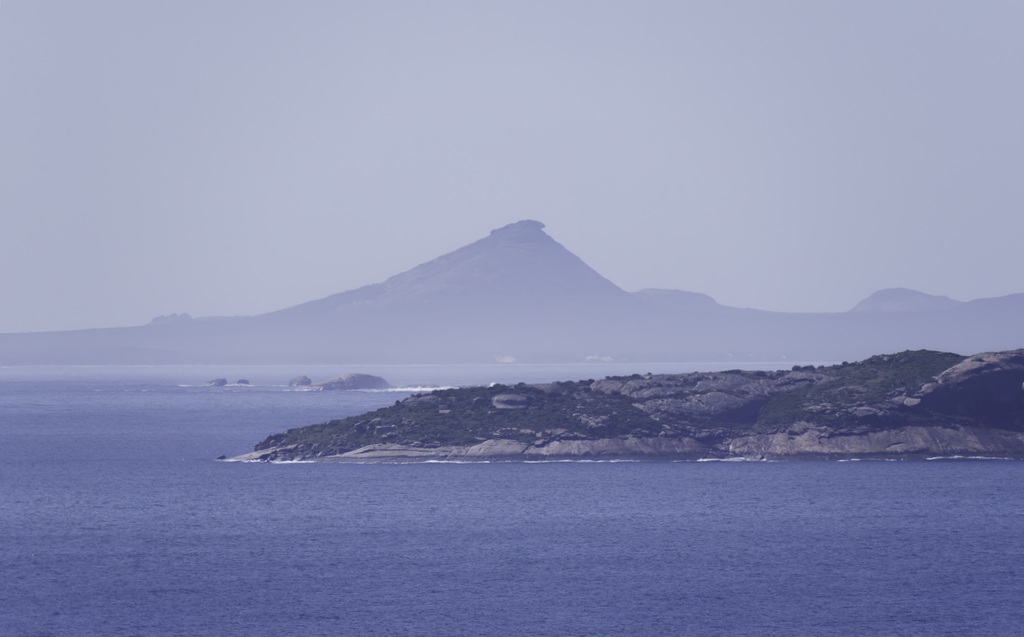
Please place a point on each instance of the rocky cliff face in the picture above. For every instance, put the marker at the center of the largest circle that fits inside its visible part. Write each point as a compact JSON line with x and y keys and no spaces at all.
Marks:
{"x":912,"y":404}
{"x":987,"y":389}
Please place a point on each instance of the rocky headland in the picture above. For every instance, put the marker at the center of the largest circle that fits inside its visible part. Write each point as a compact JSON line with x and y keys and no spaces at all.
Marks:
{"x":915,"y":404}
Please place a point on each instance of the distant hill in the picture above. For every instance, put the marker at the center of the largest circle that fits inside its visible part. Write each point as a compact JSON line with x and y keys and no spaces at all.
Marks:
{"x":516,"y":265}
{"x":518,"y":294}
{"x":904,"y":300}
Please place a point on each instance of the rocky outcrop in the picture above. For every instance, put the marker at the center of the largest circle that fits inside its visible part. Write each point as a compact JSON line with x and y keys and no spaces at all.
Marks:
{"x":987,"y":389}
{"x":217,"y":382}
{"x":908,"y":405}
{"x":813,"y":443}
{"x":300,"y":381}
{"x":503,"y":449}
{"x":353,"y":381}
{"x":909,"y":441}
{"x":511,"y":401}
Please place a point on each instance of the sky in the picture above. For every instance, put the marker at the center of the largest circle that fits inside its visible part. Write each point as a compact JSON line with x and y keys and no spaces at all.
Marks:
{"x":233,"y":158}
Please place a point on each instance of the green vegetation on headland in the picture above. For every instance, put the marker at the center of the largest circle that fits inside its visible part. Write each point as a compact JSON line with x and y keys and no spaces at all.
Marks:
{"x":911,"y":404}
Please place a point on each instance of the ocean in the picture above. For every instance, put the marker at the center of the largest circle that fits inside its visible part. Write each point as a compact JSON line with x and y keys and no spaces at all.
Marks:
{"x":116,"y":519}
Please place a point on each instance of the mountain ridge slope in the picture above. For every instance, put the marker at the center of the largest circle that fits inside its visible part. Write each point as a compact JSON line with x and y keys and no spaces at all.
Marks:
{"x":518,"y":294}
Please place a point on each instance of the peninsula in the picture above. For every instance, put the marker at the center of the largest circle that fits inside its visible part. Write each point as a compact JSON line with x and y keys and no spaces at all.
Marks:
{"x":914,"y":404}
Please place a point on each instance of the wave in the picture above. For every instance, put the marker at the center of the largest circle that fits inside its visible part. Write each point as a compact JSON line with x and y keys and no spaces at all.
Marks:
{"x":580,"y":461}
{"x":435,"y":461}
{"x":206,"y":385}
{"x":281,"y":461}
{"x":967,"y":458}
{"x":532,"y":461}
{"x":415,"y":389}
{"x":733,"y":459}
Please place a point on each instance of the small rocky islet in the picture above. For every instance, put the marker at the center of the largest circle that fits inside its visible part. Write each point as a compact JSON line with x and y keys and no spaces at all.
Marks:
{"x":342,"y":383}
{"x":914,"y":404}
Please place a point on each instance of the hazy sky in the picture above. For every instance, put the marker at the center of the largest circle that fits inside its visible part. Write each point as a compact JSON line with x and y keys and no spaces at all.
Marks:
{"x":231,"y":158}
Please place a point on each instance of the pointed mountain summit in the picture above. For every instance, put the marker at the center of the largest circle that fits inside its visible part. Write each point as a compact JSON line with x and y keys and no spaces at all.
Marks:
{"x":515,"y":293}
{"x":517,"y":262}
{"x":516,"y":265}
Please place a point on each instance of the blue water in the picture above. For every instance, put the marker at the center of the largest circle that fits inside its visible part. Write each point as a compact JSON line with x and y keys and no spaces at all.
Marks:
{"x":115,"y":519}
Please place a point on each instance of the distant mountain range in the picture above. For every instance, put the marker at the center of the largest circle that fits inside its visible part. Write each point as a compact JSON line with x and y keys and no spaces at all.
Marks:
{"x":518,"y":295}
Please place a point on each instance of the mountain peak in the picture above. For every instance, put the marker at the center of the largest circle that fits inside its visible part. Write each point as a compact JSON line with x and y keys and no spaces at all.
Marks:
{"x":521,"y":230}
{"x":517,"y":261}
{"x":517,"y":270}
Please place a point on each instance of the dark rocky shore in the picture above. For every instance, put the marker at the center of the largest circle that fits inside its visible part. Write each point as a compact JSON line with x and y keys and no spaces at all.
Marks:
{"x":915,"y":404}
